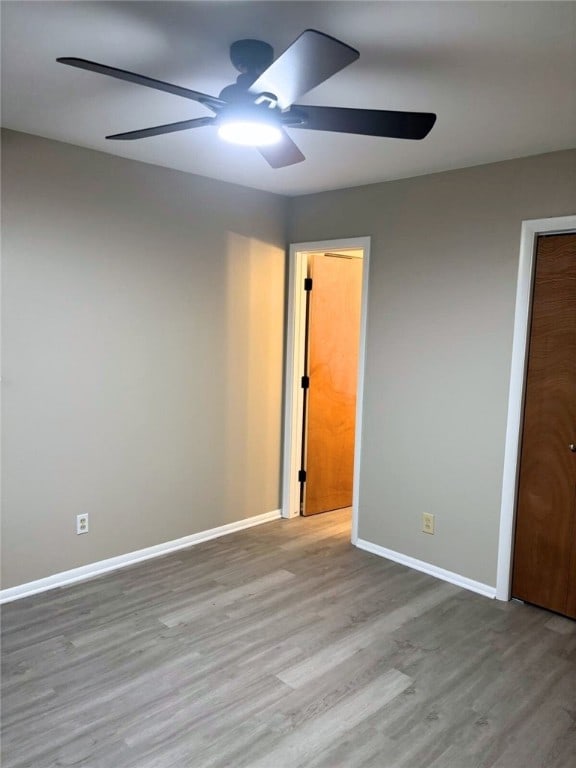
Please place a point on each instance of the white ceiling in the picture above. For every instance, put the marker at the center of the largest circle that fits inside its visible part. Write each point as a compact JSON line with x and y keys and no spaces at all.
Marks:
{"x":500,"y":76}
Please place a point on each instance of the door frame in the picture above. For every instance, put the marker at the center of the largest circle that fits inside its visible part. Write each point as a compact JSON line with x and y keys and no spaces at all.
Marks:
{"x":531,"y":229}
{"x":294,"y":394}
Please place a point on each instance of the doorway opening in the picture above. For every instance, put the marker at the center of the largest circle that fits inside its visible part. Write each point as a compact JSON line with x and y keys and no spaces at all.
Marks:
{"x":326,"y":332}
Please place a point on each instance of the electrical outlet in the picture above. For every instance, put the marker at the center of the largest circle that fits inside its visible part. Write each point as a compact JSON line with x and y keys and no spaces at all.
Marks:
{"x":81,"y":524}
{"x":427,"y":523}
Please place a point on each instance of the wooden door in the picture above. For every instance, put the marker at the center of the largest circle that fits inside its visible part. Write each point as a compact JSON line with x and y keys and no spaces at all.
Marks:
{"x":545,"y":543}
{"x":333,"y":342}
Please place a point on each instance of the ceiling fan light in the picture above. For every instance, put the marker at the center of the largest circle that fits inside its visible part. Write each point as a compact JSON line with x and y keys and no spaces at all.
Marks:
{"x":251,"y":133}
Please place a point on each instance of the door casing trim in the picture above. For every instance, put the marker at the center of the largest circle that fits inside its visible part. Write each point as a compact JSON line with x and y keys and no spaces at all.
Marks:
{"x":529,"y":235}
{"x":293,"y":399}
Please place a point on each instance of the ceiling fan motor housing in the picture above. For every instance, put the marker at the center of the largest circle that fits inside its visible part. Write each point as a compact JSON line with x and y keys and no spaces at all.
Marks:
{"x":251,"y":56}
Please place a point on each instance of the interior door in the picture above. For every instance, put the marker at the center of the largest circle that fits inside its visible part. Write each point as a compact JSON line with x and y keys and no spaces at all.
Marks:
{"x":333,"y":343}
{"x":544,"y":570}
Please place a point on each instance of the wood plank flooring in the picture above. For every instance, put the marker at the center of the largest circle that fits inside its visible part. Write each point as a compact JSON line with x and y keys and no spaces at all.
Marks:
{"x":278,"y":647}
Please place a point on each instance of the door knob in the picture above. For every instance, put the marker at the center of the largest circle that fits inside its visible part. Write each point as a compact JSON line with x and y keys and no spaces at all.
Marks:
{"x":572,"y":447}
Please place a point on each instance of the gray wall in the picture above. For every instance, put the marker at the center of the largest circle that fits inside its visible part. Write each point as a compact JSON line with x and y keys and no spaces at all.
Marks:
{"x":440,"y":318}
{"x":142,"y":351}
{"x":142,"y":354}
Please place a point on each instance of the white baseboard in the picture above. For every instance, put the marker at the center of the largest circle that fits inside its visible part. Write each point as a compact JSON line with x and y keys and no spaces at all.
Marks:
{"x":130,"y":558}
{"x":431,"y":570}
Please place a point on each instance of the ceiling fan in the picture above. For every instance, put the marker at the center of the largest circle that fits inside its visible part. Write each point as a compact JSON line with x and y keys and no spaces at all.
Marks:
{"x":260,"y":105}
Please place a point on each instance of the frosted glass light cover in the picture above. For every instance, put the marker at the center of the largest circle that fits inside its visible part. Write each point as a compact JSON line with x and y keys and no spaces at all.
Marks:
{"x":249,"y":132}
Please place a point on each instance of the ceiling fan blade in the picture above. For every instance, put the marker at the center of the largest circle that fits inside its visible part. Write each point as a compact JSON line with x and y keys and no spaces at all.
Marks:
{"x":312,"y":58}
{"x":158,"y":130}
{"x":121,"y":74}
{"x":369,"y":122}
{"x":284,"y":153}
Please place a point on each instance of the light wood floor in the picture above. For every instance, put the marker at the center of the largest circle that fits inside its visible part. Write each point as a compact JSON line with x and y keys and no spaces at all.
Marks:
{"x":284,"y":646}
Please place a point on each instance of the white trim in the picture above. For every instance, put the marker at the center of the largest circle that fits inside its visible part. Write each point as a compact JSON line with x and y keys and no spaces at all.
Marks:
{"x":360,"y":390}
{"x":530,"y":231}
{"x":294,"y":399}
{"x":431,"y":570}
{"x":294,"y":351}
{"x":114,"y":563}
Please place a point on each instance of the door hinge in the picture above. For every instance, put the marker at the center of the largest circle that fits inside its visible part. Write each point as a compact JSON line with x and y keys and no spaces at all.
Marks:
{"x":302,"y":476}
{"x":307,"y":283}
{"x":305,"y":382}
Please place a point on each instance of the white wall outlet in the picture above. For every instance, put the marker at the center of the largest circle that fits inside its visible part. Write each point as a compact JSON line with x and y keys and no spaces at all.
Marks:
{"x":81,"y":524}
{"x":427,"y":523}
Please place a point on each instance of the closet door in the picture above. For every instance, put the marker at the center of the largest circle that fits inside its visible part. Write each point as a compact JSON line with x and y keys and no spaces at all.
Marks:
{"x":544,"y":570}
